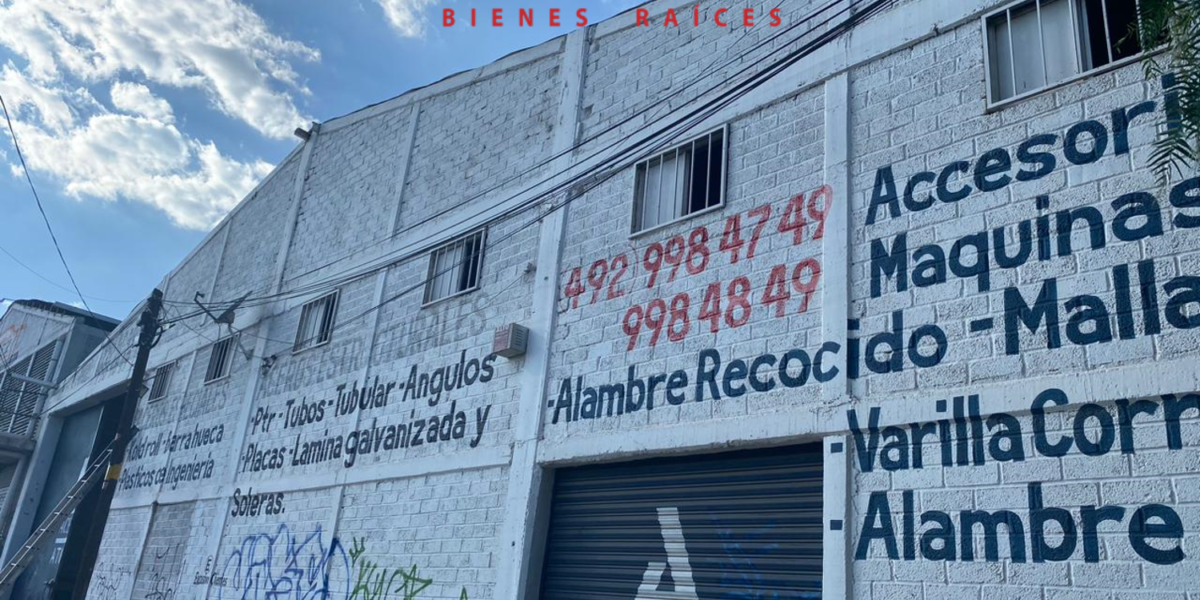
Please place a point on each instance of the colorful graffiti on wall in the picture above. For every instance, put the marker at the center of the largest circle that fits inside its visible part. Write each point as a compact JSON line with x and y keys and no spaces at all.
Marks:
{"x":310,"y":566}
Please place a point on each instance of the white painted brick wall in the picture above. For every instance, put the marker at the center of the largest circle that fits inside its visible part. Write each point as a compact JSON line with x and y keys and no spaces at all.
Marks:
{"x":441,"y":508}
{"x":369,"y":154}
{"x":1153,"y":474}
{"x":113,"y":576}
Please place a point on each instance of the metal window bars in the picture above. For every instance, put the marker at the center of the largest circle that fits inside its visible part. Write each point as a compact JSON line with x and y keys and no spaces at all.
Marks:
{"x":1013,"y":73}
{"x":316,"y":322}
{"x":218,"y":360}
{"x":162,"y":382}
{"x":679,"y":182}
{"x":454,"y":268}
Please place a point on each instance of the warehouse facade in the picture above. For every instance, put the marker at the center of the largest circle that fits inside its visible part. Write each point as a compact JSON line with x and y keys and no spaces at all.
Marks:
{"x":911,"y":318}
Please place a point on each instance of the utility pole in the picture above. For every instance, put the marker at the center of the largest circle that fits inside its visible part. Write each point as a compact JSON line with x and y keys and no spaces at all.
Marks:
{"x":149,"y":333}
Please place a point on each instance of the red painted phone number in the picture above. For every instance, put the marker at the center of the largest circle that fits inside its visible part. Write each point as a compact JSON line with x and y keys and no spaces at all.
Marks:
{"x":727,"y":304}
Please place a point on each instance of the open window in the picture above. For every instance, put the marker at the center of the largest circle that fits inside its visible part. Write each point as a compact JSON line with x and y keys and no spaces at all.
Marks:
{"x":1035,"y":44}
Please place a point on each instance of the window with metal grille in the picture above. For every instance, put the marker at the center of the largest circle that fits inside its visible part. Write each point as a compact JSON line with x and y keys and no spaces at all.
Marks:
{"x":1035,"y":44}
{"x":219,"y":359}
{"x":20,"y":399}
{"x":15,"y":399}
{"x":162,"y":382}
{"x":316,"y":322}
{"x":454,"y":268}
{"x":680,"y":182}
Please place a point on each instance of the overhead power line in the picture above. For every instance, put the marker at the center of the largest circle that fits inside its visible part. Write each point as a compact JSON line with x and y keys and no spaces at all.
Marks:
{"x":752,"y":83}
{"x":611,"y":165}
{"x":702,"y":74}
{"x":45,"y":219}
{"x":671,"y":131}
{"x":55,"y":283}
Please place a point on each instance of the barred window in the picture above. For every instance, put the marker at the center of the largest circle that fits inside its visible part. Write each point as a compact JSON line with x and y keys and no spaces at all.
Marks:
{"x":316,"y":322}
{"x":1035,"y":44}
{"x":219,"y":359}
{"x":454,"y":268}
{"x":680,"y":182}
{"x":20,"y":400}
{"x":162,"y":382}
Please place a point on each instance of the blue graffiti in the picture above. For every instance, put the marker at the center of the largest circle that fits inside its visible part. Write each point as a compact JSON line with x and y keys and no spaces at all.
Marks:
{"x":740,"y":578}
{"x":285,"y":566}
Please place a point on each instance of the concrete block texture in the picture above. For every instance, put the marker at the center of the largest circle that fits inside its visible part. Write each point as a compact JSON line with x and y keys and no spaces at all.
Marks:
{"x":995,"y":305}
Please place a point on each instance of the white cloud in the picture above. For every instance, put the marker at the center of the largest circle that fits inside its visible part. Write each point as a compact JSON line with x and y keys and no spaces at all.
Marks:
{"x":219,"y":46}
{"x":141,"y":156}
{"x":137,"y":99}
{"x":405,"y":16}
{"x":50,"y":106}
{"x":132,"y":147}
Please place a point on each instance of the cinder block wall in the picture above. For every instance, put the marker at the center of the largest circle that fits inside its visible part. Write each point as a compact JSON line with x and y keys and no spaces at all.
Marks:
{"x":236,"y":491}
{"x":919,"y":110}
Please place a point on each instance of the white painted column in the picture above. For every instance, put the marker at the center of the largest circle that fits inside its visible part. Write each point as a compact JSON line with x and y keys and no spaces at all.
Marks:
{"x":835,"y":245}
{"x":518,"y":538}
{"x":836,"y":313}
{"x":835,"y":546}
{"x":139,"y":554}
{"x":260,"y":347}
{"x":414,"y":119}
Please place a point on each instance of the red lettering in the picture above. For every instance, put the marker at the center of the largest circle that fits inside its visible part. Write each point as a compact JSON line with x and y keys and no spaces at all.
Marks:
{"x":717,"y":17}
{"x":554,"y":17}
{"x":472,"y":17}
{"x":710,"y":307}
{"x":526,"y":15}
{"x":497,"y":17}
{"x":582,"y":15}
{"x":643,"y":17}
{"x":619,"y":265}
{"x":748,"y":17}
{"x":696,"y":15}
{"x":775,"y":18}
{"x":574,"y":287}
{"x":448,"y":17}
{"x":595,"y":277}
{"x":670,"y":18}
{"x":777,"y":292}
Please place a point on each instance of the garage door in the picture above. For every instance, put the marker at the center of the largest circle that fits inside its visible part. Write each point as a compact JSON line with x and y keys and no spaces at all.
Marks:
{"x":741,"y":525}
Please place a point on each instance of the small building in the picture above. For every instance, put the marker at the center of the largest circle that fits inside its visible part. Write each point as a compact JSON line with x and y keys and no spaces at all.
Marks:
{"x":880,"y":303}
{"x":41,"y":343}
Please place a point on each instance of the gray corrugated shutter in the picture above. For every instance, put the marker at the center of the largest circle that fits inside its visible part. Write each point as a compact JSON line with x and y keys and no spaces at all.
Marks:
{"x":751,"y":524}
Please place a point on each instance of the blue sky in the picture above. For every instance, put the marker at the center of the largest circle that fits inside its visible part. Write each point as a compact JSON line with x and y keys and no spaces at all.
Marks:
{"x":144,"y":121}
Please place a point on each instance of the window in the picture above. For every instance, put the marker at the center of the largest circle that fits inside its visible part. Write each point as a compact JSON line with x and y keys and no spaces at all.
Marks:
{"x":680,"y":182}
{"x":316,"y":322}
{"x":219,"y":359}
{"x":162,"y":382}
{"x":454,"y":268}
{"x":1035,"y":44}
{"x":20,"y":399}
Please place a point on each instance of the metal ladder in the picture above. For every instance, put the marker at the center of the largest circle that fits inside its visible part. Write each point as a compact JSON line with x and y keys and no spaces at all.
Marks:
{"x":54,"y":520}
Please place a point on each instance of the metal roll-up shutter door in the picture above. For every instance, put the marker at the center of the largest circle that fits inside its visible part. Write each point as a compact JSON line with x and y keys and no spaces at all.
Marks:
{"x":744,"y":524}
